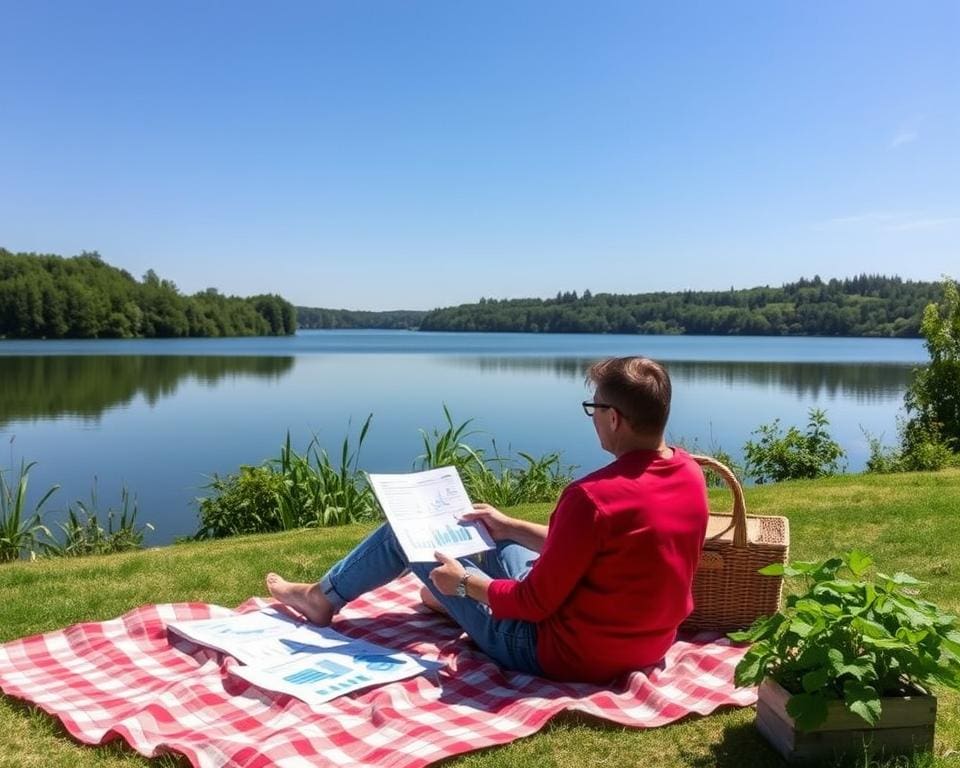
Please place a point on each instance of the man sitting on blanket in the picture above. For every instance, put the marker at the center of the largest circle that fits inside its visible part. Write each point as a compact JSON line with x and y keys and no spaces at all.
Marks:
{"x":599,"y":591}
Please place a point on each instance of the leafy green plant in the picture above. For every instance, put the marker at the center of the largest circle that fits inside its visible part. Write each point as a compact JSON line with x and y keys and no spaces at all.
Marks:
{"x":245,"y":502}
{"x":292,"y":491}
{"x":777,"y":456}
{"x":83,"y":534}
{"x":921,"y":449}
{"x":20,"y":528}
{"x":312,"y":489}
{"x":933,"y":397}
{"x":850,"y":638}
{"x":883,"y":459}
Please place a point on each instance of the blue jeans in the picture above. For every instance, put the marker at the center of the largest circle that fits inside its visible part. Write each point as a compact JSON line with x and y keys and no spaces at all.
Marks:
{"x":379,"y":559}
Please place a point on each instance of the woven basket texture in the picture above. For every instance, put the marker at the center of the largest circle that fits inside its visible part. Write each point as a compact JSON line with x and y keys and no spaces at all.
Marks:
{"x":728,"y":593}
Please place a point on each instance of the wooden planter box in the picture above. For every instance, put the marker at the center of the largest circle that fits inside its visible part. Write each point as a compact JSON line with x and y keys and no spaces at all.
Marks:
{"x":905,"y":726}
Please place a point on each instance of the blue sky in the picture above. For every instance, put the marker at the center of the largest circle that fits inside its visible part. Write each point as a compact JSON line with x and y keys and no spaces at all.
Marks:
{"x":377,"y":155}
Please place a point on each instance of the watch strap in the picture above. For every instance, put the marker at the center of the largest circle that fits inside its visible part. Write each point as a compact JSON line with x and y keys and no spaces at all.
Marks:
{"x":462,"y":586}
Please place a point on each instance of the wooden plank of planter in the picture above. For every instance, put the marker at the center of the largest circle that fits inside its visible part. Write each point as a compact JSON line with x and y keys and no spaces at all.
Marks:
{"x":906,"y":724}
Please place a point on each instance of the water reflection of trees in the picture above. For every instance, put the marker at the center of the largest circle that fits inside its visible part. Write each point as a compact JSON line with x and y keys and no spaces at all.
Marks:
{"x":863,"y":382}
{"x":35,"y":387}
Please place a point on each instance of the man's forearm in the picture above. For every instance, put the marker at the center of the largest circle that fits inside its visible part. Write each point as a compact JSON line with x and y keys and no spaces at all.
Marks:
{"x":478,"y":587}
{"x":529,"y":535}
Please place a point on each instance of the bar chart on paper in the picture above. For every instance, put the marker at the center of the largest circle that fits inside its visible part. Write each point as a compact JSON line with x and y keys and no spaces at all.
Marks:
{"x":439,"y":538}
{"x":425,"y":509}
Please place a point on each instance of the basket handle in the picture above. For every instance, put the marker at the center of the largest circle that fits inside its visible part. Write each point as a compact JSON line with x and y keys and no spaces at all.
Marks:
{"x":739,"y":504}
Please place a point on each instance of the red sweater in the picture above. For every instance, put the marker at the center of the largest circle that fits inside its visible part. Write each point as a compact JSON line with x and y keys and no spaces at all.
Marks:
{"x":613,"y":581}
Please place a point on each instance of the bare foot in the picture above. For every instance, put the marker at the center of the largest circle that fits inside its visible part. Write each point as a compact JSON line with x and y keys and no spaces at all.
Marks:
{"x":307,"y":599}
{"x":429,"y":600}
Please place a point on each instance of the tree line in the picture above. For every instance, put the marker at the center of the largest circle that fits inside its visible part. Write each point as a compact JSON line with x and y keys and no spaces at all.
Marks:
{"x":83,"y":297}
{"x":866,"y":305}
{"x":397,"y":319}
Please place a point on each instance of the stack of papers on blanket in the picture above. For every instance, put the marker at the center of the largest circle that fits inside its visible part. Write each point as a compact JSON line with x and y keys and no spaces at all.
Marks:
{"x":314,"y":664}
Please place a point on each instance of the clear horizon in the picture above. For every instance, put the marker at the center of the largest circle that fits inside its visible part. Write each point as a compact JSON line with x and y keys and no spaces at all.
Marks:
{"x":376,"y":157}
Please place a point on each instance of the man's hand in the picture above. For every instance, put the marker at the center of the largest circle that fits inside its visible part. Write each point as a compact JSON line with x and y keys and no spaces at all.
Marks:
{"x":446,"y":576}
{"x":499,"y":525}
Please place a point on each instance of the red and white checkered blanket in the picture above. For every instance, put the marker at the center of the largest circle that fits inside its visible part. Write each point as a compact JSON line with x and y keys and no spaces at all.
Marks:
{"x":127,"y":678}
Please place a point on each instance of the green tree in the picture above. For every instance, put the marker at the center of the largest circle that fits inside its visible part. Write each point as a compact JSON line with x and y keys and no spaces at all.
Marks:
{"x":933,"y":398}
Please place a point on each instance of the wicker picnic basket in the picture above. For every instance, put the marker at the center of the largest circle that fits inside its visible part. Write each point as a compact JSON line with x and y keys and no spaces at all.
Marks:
{"x":728,"y":593}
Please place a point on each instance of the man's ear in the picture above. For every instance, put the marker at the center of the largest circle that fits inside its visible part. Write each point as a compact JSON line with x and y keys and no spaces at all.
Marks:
{"x":617,"y":419}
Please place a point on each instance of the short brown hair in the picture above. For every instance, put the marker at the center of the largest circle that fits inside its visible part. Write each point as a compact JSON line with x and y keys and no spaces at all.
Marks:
{"x":638,"y":387}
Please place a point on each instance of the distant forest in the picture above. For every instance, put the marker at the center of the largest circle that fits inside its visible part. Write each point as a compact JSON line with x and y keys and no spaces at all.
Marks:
{"x":868,"y":305}
{"x":46,"y":296}
{"x":83,"y":297}
{"x":397,"y":319}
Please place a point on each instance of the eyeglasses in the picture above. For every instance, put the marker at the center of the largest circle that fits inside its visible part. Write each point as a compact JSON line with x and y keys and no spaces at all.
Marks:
{"x":589,"y":408}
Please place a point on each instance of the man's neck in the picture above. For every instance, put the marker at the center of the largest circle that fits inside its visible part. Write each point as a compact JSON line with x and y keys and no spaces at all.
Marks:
{"x":643,"y":443}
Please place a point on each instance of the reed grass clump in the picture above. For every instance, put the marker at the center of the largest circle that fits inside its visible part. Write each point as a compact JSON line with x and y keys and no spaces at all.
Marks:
{"x":83,"y":533}
{"x":23,"y":533}
{"x":290,"y":491}
{"x":21,"y":525}
{"x":313,"y":489}
{"x":494,"y":479}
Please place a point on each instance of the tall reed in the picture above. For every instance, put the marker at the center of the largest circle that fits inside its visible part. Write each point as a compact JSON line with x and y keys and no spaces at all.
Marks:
{"x":83,"y":534}
{"x":21,"y":529}
{"x":495,"y":479}
{"x":317,"y":492}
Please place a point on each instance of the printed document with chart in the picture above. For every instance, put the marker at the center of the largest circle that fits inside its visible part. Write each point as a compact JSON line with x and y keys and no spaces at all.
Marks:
{"x":424,"y":510}
{"x":279,"y":653}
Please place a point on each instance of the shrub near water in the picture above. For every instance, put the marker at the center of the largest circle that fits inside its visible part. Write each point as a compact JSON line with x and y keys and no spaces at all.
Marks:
{"x":291,"y":491}
{"x":929,"y":438}
{"x":312,"y":490}
{"x":777,"y":456}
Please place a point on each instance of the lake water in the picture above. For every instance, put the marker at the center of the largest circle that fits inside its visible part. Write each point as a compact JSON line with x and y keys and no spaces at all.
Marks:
{"x":161,"y":416}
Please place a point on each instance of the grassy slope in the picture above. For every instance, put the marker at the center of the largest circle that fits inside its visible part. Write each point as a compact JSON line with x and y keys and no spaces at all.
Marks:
{"x":907,"y":522}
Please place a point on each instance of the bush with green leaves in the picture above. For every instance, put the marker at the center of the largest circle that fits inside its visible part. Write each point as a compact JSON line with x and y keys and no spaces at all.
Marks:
{"x":245,"y":502}
{"x":292,"y":491}
{"x":793,"y":455}
{"x":850,"y":638}
{"x":922,"y":450}
{"x":933,"y":398}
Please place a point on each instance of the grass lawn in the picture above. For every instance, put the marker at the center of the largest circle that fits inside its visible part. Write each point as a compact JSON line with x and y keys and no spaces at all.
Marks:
{"x":906,"y":522}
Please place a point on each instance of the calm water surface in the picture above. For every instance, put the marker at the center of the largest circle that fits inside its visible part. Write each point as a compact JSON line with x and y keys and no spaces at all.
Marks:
{"x":161,"y":416}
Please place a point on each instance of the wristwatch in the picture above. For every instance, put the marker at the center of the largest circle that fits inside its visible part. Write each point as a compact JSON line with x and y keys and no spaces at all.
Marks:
{"x":462,"y":586}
